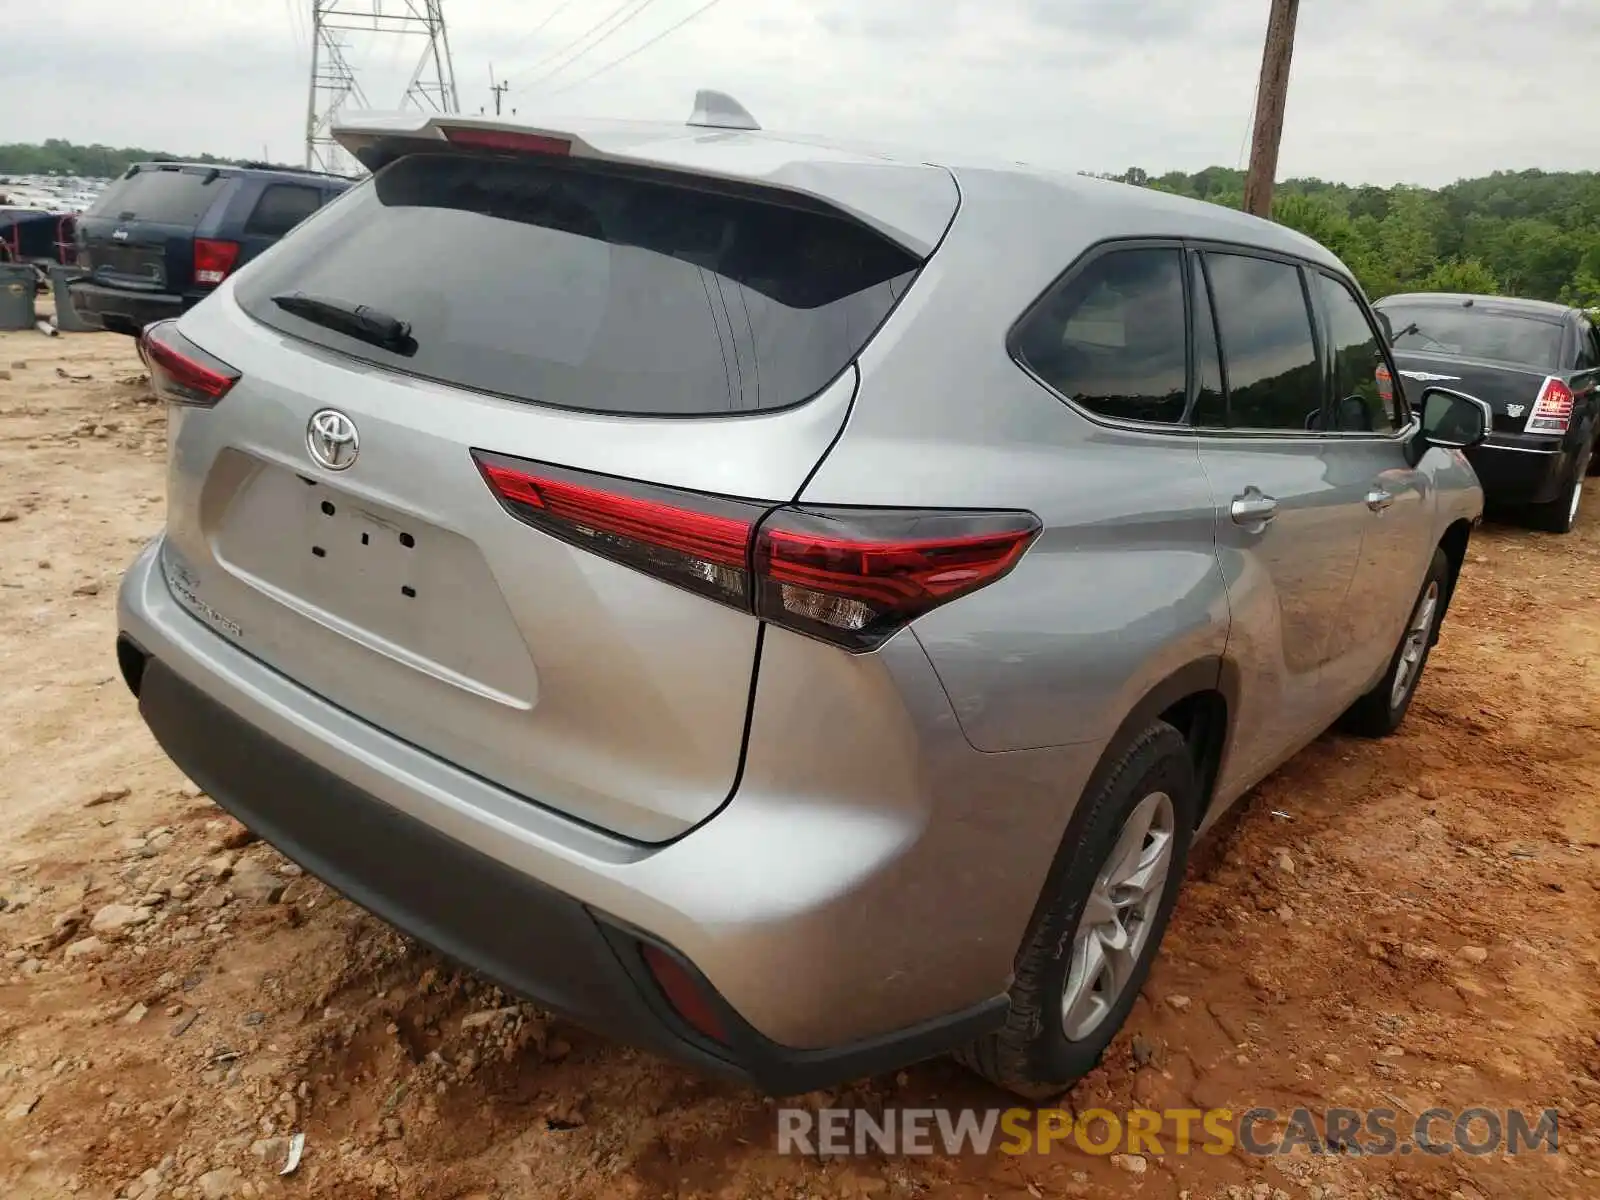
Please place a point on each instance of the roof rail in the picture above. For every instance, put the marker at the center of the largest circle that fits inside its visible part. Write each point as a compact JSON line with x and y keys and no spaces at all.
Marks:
{"x":718,"y":110}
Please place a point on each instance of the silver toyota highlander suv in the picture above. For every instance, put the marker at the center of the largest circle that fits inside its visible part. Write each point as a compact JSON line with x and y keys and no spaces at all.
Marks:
{"x":782,"y":606}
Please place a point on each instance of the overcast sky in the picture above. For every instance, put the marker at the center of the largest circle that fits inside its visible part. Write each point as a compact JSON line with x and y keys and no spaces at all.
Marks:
{"x":1383,"y":91}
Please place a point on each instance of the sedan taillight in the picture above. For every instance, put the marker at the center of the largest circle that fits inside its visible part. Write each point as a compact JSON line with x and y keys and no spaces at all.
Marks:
{"x":1552,"y":411}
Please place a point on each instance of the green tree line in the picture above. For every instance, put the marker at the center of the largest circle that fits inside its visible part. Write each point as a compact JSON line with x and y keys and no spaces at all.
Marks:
{"x":1514,"y":233}
{"x":57,"y":157}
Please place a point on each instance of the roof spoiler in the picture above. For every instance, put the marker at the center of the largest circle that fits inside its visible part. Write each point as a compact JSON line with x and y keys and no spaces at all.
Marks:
{"x":363,"y":133}
{"x":876,"y":191}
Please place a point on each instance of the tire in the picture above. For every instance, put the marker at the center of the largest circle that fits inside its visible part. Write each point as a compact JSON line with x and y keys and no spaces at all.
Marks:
{"x":1033,"y":1054}
{"x":1380,"y":711}
{"x":1561,"y":514}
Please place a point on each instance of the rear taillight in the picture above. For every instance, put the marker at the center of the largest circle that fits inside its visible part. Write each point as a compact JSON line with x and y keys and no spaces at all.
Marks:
{"x":855,"y":576}
{"x":1552,"y":411}
{"x":180,"y":371}
{"x":850,"y":576}
{"x":697,"y":542}
{"x":213,"y":259}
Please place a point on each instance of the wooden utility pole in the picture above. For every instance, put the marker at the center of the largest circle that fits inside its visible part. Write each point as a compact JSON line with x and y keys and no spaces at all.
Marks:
{"x":499,"y":89}
{"x":1271,"y":97}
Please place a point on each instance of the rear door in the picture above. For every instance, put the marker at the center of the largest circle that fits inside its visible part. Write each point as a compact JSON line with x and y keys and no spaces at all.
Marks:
{"x":652,"y":344}
{"x":1290,"y":519}
{"x":1368,"y":426}
{"x":140,"y":233}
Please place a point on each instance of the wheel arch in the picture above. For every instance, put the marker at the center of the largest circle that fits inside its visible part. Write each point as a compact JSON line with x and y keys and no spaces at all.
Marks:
{"x":1199,"y":701}
{"x":1454,"y":544}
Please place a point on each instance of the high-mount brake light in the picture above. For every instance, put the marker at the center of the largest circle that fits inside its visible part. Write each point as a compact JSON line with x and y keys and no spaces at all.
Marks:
{"x":507,"y":139}
{"x":214,"y":259}
{"x":181,"y":372}
{"x":853,"y":577}
{"x":1552,"y":411}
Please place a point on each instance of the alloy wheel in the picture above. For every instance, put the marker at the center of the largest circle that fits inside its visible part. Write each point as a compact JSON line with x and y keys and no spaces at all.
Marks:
{"x":1118,"y":916}
{"x":1415,"y":646}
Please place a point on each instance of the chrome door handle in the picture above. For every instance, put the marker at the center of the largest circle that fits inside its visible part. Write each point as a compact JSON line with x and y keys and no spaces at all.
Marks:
{"x":1378,"y":499}
{"x":1253,"y":508}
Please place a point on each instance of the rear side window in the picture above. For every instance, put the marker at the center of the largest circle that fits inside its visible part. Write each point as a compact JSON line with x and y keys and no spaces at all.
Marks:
{"x":1588,"y":346}
{"x":593,"y":289}
{"x":281,"y":207}
{"x":1274,"y":379}
{"x":1362,"y":397}
{"x":1111,"y":338}
{"x":1465,"y":332}
{"x":161,"y":196}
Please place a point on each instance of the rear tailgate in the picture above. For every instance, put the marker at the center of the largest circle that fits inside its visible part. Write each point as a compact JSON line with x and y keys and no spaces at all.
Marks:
{"x":629,"y":328}
{"x":140,"y":233}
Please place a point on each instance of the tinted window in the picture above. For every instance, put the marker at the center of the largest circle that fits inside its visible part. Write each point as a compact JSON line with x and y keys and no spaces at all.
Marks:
{"x":1210,"y":406}
{"x":594,"y":290}
{"x":165,"y":197}
{"x":1362,"y":391}
{"x":1112,"y":337}
{"x":1474,"y":333}
{"x":281,"y":207}
{"x":1274,"y":379}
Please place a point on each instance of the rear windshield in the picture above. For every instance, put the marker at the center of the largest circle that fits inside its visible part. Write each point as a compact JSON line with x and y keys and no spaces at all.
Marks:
{"x":160,"y":196}
{"x":591,"y":289}
{"x":1474,"y":333}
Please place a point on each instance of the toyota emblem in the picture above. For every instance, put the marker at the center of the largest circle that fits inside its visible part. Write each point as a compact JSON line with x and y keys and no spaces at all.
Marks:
{"x":332,"y":439}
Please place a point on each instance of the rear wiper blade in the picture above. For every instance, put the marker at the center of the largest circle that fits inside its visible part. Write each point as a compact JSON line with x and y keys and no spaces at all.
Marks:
{"x":359,"y":321}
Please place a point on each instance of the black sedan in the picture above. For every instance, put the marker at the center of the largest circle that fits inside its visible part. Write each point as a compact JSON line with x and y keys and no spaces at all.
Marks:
{"x":1536,"y":364}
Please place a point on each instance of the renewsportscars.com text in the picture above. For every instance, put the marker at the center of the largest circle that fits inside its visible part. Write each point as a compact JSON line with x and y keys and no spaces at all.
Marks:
{"x":841,"y":1132}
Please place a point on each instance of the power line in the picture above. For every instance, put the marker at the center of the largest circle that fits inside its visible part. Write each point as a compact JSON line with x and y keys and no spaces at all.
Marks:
{"x":617,"y":62}
{"x":561,"y":51}
{"x":534,"y":32}
{"x":296,"y":28}
{"x":1249,"y":124}
{"x":560,"y":67}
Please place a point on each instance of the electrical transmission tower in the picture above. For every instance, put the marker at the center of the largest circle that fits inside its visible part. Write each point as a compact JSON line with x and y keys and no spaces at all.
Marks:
{"x":334,"y":81}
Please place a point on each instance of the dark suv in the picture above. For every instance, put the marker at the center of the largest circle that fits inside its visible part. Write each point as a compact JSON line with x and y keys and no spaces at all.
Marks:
{"x":160,"y":239}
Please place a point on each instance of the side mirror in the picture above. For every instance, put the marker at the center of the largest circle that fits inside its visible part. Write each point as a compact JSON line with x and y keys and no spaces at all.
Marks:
{"x":1453,"y":419}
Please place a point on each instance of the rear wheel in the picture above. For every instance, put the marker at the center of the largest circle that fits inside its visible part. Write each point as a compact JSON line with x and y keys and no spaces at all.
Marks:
{"x":1561,"y":514}
{"x":1380,"y":711}
{"x":1099,"y":923}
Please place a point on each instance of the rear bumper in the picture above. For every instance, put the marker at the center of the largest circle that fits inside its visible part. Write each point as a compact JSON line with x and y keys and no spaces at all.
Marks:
{"x":119,"y":310}
{"x":529,"y":938}
{"x":1515,"y":469}
{"x":832,"y":939}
